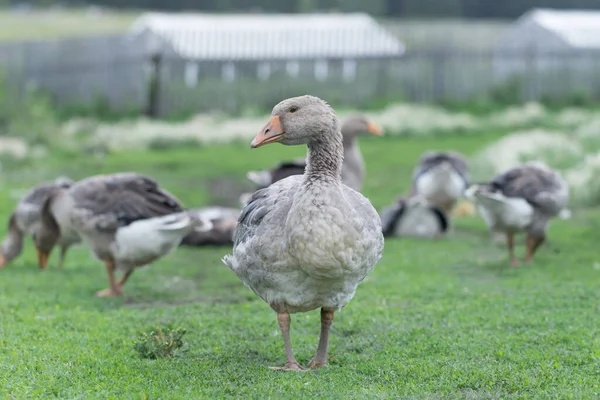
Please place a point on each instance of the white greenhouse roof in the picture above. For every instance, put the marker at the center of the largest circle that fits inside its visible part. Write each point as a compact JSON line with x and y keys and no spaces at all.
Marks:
{"x":579,"y":28}
{"x":270,"y":36}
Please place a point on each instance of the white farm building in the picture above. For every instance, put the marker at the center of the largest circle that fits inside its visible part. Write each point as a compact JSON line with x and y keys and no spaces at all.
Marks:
{"x":550,"y":42}
{"x":260,"y":44}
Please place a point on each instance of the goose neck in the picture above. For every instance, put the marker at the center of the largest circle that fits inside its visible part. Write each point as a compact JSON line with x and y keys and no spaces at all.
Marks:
{"x":325,"y":159}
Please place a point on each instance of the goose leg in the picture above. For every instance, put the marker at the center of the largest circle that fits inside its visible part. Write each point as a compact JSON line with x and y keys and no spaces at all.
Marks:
{"x":124,"y":278}
{"x":320,"y":360}
{"x":510,"y":243}
{"x":531,"y":245}
{"x":114,"y":289}
{"x":291,"y":364}
{"x":61,"y":258}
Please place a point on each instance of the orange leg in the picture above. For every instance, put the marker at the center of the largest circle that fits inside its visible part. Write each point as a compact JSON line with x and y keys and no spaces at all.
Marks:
{"x":114,"y":289}
{"x":291,"y":364}
{"x":510,"y":243}
{"x":124,"y":278}
{"x":531,"y":245}
{"x":320,"y":360}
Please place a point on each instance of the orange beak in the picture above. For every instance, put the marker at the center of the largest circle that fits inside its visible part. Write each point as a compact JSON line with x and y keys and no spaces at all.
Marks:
{"x":42,"y":259}
{"x":374,"y":129}
{"x":3,"y":261}
{"x":270,"y":133}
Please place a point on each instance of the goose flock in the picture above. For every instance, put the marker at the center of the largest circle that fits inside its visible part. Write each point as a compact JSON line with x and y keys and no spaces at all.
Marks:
{"x":306,"y":238}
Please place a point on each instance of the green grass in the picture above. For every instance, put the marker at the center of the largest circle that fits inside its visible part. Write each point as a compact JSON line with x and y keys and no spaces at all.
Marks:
{"x":435,"y":320}
{"x":38,"y":25}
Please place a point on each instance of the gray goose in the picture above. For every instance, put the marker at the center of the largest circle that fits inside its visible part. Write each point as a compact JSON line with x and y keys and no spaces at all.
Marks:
{"x":26,"y":220}
{"x":441,"y":178}
{"x":353,"y":166}
{"x":126,"y":218}
{"x":306,"y":241}
{"x":522,"y":199}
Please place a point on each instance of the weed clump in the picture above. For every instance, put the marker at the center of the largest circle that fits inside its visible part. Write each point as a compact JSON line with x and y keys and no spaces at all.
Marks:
{"x":160,"y":343}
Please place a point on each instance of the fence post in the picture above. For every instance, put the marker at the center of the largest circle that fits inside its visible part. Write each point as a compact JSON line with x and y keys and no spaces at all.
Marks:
{"x":383,"y":83}
{"x":531,"y":77}
{"x":153,"y":104}
{"x":439,"y":75}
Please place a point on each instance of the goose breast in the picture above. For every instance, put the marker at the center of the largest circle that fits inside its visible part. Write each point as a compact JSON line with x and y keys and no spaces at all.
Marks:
{"x":322,"y":253}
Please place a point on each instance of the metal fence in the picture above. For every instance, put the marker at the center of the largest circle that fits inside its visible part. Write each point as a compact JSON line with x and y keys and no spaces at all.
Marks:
{"x":79,"y":71}
{"x":117,"y":71}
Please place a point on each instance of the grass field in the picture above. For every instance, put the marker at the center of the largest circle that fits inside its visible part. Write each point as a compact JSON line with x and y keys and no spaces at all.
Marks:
{"x":435,"y":320}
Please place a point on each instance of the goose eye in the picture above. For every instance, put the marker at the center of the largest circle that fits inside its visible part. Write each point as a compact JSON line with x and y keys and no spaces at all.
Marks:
{"x":293,"y":109}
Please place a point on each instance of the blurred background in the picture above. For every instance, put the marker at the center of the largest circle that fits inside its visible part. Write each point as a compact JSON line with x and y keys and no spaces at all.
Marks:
{"x":116,"y":58}
{"x":146,"y":73}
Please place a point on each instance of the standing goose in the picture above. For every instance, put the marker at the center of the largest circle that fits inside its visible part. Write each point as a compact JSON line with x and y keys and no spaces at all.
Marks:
{"x":353,"y":166}
{"x":126,"y":218}
{"x":26,"y":220}
{"x":223,"y":220}
{"x":306,"y":241}
{"x":522,"y":199}
{"x":441,"y":178}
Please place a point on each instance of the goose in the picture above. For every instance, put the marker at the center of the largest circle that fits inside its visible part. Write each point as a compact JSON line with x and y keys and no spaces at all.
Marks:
{"x":522,"y":199}
{"x":412,"y":216}
{"x":223,"y":220}
{"x":282,"y":170}
{"x":353,"y":166}
{"x":306,"y":241}
{"x":441,"y":177}
{"x":26,"y":218}
{"x":126,"y":219}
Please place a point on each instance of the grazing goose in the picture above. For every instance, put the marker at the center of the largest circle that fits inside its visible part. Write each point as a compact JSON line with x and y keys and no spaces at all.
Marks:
{"x":411,"y":216}
{"x":126,"y":218}
{"x":522,"y":199}
{"x":306,"y":241}
{"x":441,"y":178}
{"x":223,"y":220}
{"x":353,"y":166}
{"x":26,"y":219}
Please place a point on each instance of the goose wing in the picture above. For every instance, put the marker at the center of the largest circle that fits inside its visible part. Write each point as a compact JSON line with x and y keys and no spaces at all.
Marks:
{"x":108,"y":202}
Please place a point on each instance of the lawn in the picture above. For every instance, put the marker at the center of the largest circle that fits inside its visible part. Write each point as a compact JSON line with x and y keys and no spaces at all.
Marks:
{"x":435,"y":320}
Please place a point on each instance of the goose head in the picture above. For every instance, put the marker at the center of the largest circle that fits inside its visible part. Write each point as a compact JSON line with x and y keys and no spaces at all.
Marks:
{"x":357,"y":124}
{"x":12,"y":244}
{"x":482,"y":191}
{"x":298,"y":120}
{"x":47,"y":236}
{"x":48,"y":233}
